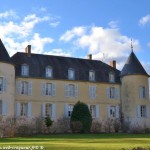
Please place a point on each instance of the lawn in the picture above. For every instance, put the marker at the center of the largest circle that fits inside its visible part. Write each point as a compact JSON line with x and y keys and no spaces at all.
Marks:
{"x":79,"y":141}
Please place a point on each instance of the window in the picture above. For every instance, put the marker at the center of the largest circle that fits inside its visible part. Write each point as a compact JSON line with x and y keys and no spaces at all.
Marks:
{"x":92,"y":92}
{"x":71,"y":90}
{"x":111,"y":77}
{"x":48,"y":110}
{"x":142,"y":111}
{"x":71,"y":74}
{"x":49,"y":89}
{"x":70,"y":109}
{"x":112,"y":93}
{"x":142,"y":92}
{"x":0,"y":107}
{"x":113,"y":111}
{"x":49,"y":72}
{"x":24,"y":109}
{"x":24,"y":70}
{"x":1,"y":84}
{"x":91,"y":75}
{"x":93,"y":110}
{"x":24,"y":88}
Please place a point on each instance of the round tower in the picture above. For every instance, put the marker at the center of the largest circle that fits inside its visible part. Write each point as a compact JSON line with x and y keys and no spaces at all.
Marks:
{"x":7,"y":83}
{"x":135,"y":92}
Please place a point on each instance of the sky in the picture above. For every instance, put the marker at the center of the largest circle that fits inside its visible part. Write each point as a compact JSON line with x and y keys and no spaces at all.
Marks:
{"x":76,"y":28}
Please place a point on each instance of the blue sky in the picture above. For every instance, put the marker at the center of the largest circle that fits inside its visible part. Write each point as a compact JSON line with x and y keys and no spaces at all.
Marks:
{"x":76,"y":28}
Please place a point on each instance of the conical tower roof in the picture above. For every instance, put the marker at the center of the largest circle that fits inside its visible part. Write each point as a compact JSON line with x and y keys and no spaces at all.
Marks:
{"x":133,"y":66}
{"x":4,"y":56}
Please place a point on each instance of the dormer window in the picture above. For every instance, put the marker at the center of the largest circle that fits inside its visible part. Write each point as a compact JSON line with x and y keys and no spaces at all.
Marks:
{"x":111,"y":77}
{"x":71,"y":74}
{"x":24,"y":70}
{"x":49,"y":72}
{"x":92,"y":75}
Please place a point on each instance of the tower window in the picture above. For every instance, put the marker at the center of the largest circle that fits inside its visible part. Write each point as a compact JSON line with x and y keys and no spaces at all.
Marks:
{"x":24,"y":70}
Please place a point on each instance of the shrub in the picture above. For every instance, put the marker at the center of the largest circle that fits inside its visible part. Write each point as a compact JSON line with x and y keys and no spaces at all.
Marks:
{"x":108,"y":125}
{"x":96,"y":127}
{"x":81,"y":114}
{"x":76,"y":126}
{"x":48,"y":121}
{"x":116,"y":125}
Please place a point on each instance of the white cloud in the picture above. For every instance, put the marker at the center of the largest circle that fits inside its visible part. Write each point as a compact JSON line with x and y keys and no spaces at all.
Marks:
{"x":103,"y":43}
{"x":7,"y":14}
{"x":58,"y":52}
{"x":144,"y":20}
{"x":54,"y":24}
{"x":113,"y":24}
{"x":70,"y":34}
{"x":148,"y":45}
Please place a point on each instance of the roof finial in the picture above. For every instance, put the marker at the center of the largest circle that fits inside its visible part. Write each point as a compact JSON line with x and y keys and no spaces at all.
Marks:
{"x":131,"y":46}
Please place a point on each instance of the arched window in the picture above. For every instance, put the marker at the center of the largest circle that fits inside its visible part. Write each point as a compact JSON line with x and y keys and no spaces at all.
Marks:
{"x":24,"y":70}
{"x":49,"y":72}
{"x":111,"y":77}
{"x":71,"y":74}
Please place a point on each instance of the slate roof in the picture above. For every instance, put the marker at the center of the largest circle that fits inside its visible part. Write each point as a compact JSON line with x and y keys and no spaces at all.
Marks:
{"x":4,"y":57}
{"x":133,"y":66}
{"x":38,"y":62}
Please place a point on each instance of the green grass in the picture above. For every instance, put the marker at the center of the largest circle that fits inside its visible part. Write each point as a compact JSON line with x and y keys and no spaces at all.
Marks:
{"x":81,"y":141}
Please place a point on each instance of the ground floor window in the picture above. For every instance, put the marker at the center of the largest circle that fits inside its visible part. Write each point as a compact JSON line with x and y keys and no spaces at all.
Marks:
{"x":24,"y":109}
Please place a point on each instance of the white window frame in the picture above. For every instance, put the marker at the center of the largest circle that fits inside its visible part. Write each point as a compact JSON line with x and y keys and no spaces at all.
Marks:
{"x":48,"y":109}
{"x":92,"y":92}
{"x":71,"y":74}
{"x":24,"y":109}
{"x":48,"y":89}
{"x":142,"y":111}
{"x":111,"y":77}
{"x":70,"y":109}
{"x":24,"y":88}
{"x":112,"y":92}
{"x":71,"y":90}
{"x":113,"y":111}
{"x":49,"y":72}
{"x":24,"y":70}
{"x":143,"y":92}
{"x":91,"y":75}
{"x":93,"y":111}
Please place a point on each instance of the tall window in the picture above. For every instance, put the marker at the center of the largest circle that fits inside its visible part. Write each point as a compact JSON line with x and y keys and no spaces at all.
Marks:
{"x":71,"y":90}
{"x":112,"y":92}
{"x":24,"y":109}
{"x":0,"y":107}
{"x":48,"y":109}
{"x":48,"y":89}
{"x":24,"y":89}
{"x":111,"y":77}
{"x":142,"y":92}
{"x":112,"y":111}
{"x":71,"y":74}
{"x":49,"y":72}
{"x":93,"y":110}
{"x":1,"y":84}
{"x":92,"y":92}
{"x":24,"y":70}
{"x":70,"y":109}
{"x":91,"y":75}
{"x":142,"y":111}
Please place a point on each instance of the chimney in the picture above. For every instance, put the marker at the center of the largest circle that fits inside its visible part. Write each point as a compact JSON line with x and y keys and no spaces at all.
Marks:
{"x":113,"y":63}
{"x":89,"y":57}
{"x":28,"y":50}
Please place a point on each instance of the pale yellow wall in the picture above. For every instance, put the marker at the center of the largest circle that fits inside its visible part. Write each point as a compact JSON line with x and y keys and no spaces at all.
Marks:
{"x":130,"y":96}
{"x":83,"y":95}
{"x":7,"y":71}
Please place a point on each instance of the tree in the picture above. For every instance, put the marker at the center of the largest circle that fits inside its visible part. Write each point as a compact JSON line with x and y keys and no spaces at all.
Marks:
{"x":48,"y":121}
{"x":81,"y":119}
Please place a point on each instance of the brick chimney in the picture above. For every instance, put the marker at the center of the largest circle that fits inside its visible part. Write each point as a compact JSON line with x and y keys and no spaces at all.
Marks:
{"x":28,"y":50}
{"x":89,"y":57}
{"x":113,"y":63}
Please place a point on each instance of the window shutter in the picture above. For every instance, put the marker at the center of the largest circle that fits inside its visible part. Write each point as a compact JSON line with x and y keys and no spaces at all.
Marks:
{"x":66,"y":110}
{"x":43,"y":89}
{"x":138,"y":111}
{"x":4,"y":84}
{"x":97,"y":111}
{"x":94,"y":92}
{"x":108,"y":92}
{"x":29,"y":109}
{"x":108,"y":111}
{"x":117,"y":112}
{"x":66,"y":90}
{"x":18,"y":107}
{"x":4,"y":107}
{"x":53,"y":111}
{"x":29,"y":88}
{"x":53,"y":89}
{"x":117,"y":93}
{"x":147,"y":93}
{"x":43,"y":110}
{"x":76,"y":90}
{"x":90,"y":92}
{"x":19,"y":87}
{"x":140,"y":92}
{"x":147,"y":112}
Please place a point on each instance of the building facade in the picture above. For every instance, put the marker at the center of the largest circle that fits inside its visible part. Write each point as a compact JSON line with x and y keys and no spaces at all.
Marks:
{"x":33,"y":85}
